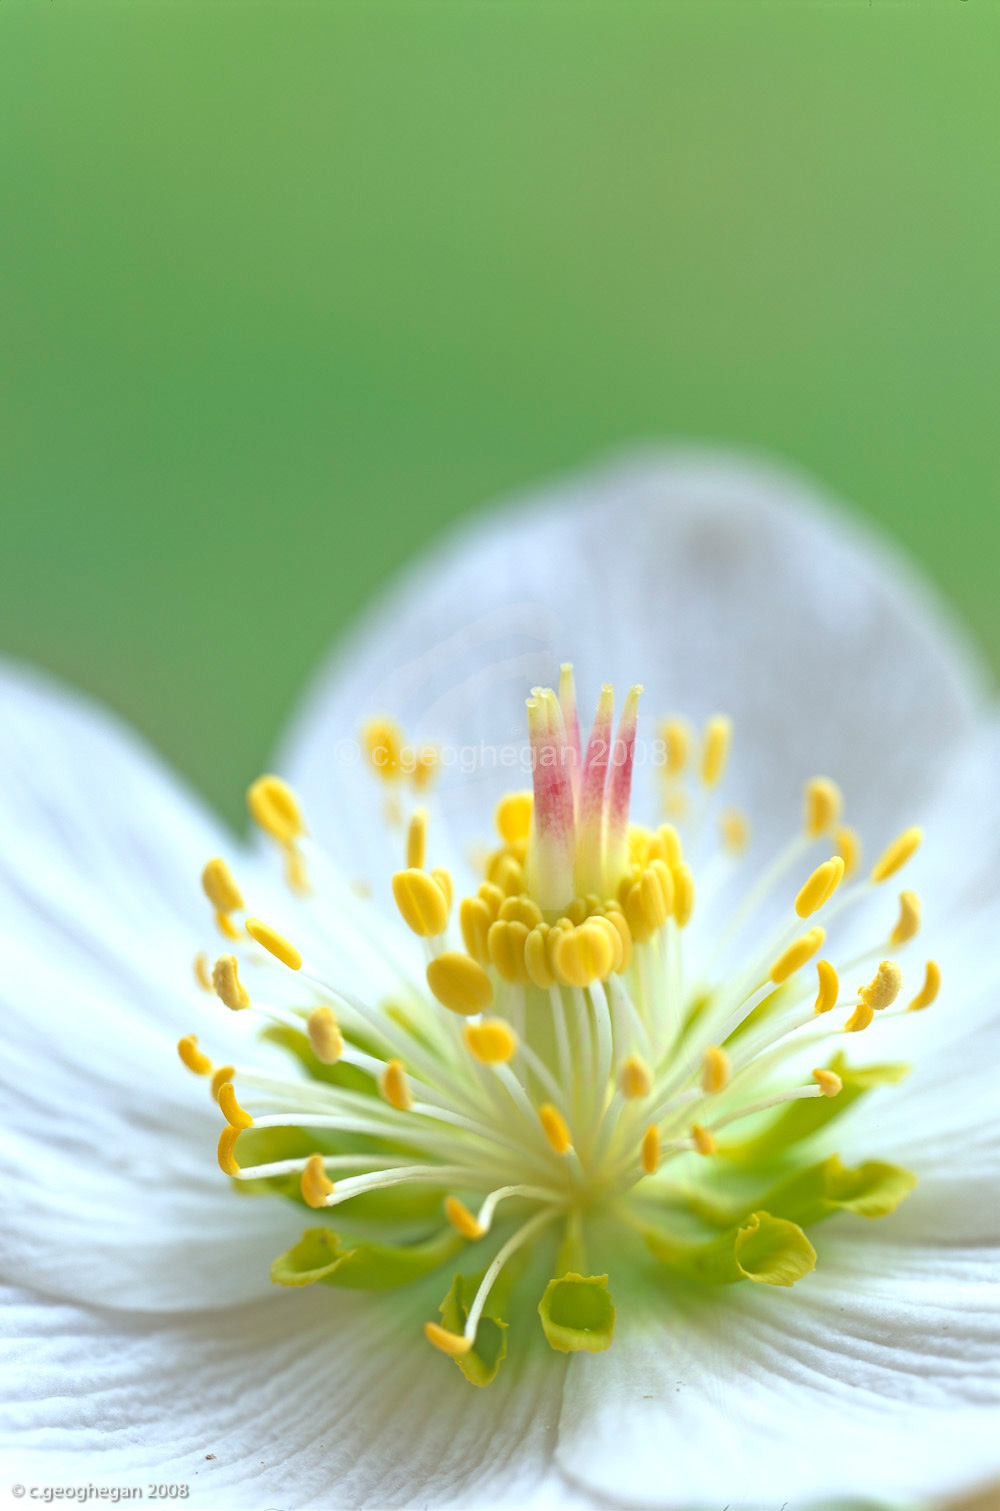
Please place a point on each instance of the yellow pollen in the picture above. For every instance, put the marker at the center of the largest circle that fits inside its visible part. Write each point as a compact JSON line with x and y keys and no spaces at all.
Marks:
{"x":220,"y":1077}
{"x":829,"y":986}
{"x":226,"y":925}
{"x":703,"y":1139}
{"x":859,"y":1019}
{"x":449,"y":1343}
{"x":715,"y":749}
{"x":492,"y":1042}
{"x":823,"y":805}
{"x":636,"y":1078}
{"x":884,"y":987}
{"x":715,"y":1069}
{"x":443,"y":879}
{"x":324,"y":1035}
{"x":650,"y":1153}
{"x":235,"y":1115}
{"x":296,"y":873}
{"x":848,"y":847}
{"x":820,"y":887}
{"x":462,"y":1219}
{"x":735,"y":830}
{"x":202,"y":974}
{"x":555,"y":1128}
{"x":513,"y":816}
{"x":930,"y":988}
{"x":828,"y":1082}
{"x":274,"y":806}
{"x":676,"y":735}
{"x":424,"y":767}
{"x":395,"y":1086}
{"x":416,"y":840}
{"x":219,"y":887}
{"x":909,"y":919}
{"x":227,"y":1145}
{"x":315,"y":1184}
{"x":460,"y":984}
{"x":192,"y":1056}
{"x":896,"y":855}
{"x":383,"y":742}
{"x":227,"y":983}
{"x":683,"y":895}
{"x":276,"y":944}
{"x":667,"y":845}
{"x":796,"y":955}
{"x":421,"y":902}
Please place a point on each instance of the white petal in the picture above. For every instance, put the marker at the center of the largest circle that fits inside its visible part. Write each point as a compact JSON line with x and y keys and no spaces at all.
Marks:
{"x":877,"y":1379}
{"x":312,"y":1399}
{"x":717,"y":580}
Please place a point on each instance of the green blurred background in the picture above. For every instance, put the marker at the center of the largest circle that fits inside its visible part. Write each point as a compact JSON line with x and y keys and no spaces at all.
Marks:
{"x":289,"y":287}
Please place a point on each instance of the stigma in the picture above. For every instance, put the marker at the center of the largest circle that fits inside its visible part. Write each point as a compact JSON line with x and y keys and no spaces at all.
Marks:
{"x":576,"y":1062}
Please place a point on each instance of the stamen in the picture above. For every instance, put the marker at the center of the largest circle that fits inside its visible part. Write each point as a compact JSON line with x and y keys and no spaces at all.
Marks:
{"x":635,"y":1078}
{"x":227,"y":1144}
{"x":227,"y":983}
{"x":462,"y":1219}
{"x":909,"y":919}
{"x":703,"y":1139}
{"x":202,"y":974}
{"x":929,"y":990}
{"x":820,"y":887}
{"x":796,"y":955}
{"x":715,"y":1070}
{"x":492,"y":1042}
{"x":734,"y":828}
{"x":823,"y":804}
{"x":555,"y":1128}
{"x":192,"y":1056}
{"x":416,"y":840}
{"x":383,"y":742}
{"x":324,"y":1035}
{"x":315,"y":1184}
{"x":449,"y":1343}
{"x":884,"y":987}
{"x":676,"y":735}
{"x":220,"y":888}
{"x":683,"y":895}
{"x":848,"y":848}
{"x":421,"y":902}
{"x":859,"y":1019}
{"x":829,"y":987}
{"x":459,"y":983}
{"x":715,"y":749}
{"x":276,"y":944}
{"x":235,"y":1115}
{"x":828,"y":1082}
{"x":220,"y":1077}
{"x":274,"y":806}
{"x":651,"y":1150}
{"x":395,"y":1086}
{"x":896,"y":855}
{"x":513,"y":817}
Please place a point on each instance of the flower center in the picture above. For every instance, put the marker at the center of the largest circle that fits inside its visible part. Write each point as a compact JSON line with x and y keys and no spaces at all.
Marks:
{"x":572,"y":1068}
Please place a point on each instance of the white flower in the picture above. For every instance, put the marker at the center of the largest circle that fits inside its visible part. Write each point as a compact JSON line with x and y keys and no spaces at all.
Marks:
{"x":148,"y":1343}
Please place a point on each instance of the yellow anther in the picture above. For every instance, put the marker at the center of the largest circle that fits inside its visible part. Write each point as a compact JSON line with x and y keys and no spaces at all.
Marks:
{"x":315,"y":1184}
{"x":580,"y":956}
{"x":650,"y":1150}
{"x":734,"y":827}
{"x":715,"y":749}
{"x":615,"y":935}
{"x":676,"y":736}
{"x":424,"y":767}
{"x":909,"y":919}
{"x":324,"y":1035}
{"x":226,"y":925}
{"x":475,"y":919}
{"x":619,"y":923}
{"x":897,"y":854}
{"x":449,"y":1343}
{"x":492,"y":898}
{"x":715,"y":1069}
{"x":829,"y":987}
{"x":635,"y":1079}
{"x":513,"y":816}
{"x":555,"y":1128}
{"x":459,"y":983}
{"x":848,"y":847}
{"x":520,"y":910}
{"x":219,"y":887}
{"x":276,"y":944}
{"x":383,"y":743}
{"x":235,"y":1115}
{"x":828,"y":1082}
{"x":930,"y":988}
{"x":703,"y":1139}
{"x":683,"y":895}
{"x":462,"y":1219}
{"x":796,"y":955}
{"x":421,"y":902}
{"x":824,"y":803}
{"x":656,"y":893}
{"x":820,"y":887}
{"x":416,"y":840}
{"x":296,"y":872}
{"x":202,"y":974}
{"x":394,"y":1085}
{"x":192,"y":1056}
{"x":227,"y":1147}
{"x":673,"y":850}
{"x":884,"y":987}
{"x":220,"y":1077}
{"x":536,"y":957}
{"x":227,"y":983}
{"x":492,"y":1042}
{"x":859,"y":1019}
{"x":274,"y":806}
{"x":506,"y":946}
{"x":443,"y":879}
{"x":507,"y":873}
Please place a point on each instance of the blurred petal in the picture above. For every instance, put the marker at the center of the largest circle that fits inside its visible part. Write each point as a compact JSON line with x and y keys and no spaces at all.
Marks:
{"x":721,"y":581}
